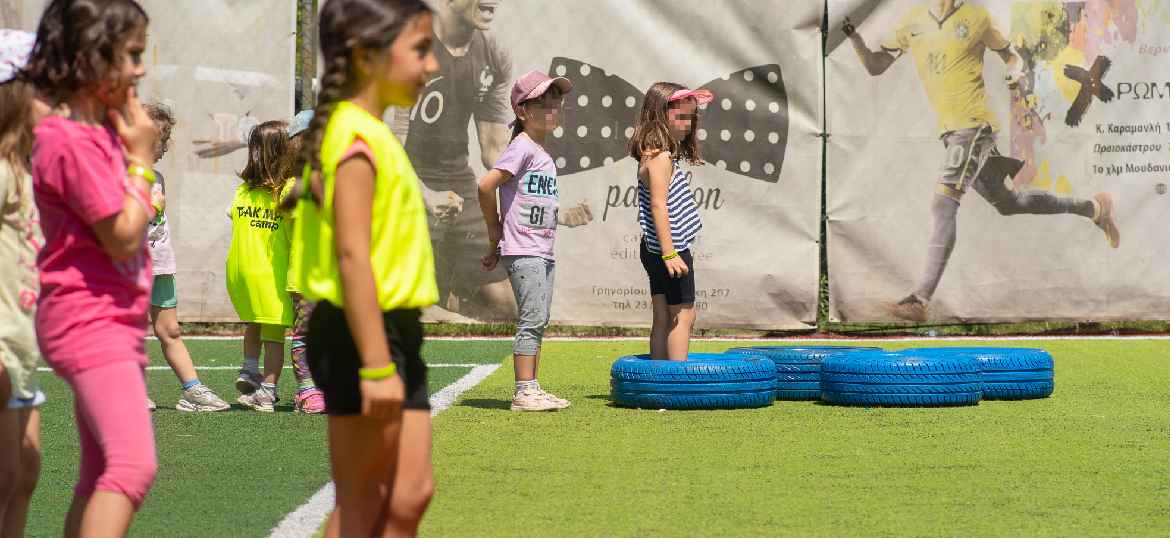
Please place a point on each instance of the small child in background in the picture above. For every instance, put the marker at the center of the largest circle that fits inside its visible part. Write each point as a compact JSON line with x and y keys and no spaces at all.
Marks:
{"x":20,"y":240}
{"x":309,"y":398}
{"x":257,"y":263}
{"x":523,"y":231}
{"x":194,"y":395}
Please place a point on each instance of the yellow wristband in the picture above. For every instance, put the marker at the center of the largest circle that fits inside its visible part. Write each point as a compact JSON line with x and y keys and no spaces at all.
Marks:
{"x":374,"y":374}
{"x":142,"y":172}
{"x":673,"y":254}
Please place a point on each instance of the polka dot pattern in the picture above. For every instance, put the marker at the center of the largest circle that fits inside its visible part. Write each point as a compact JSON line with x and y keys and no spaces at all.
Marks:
{"x":745,"y":131}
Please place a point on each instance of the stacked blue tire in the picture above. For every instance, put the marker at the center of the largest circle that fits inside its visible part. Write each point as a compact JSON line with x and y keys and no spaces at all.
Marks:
{"x":798,"y":368}
{"x":1008,"y":373}
{"x":703,"y":381}
{"x":901,"y":379}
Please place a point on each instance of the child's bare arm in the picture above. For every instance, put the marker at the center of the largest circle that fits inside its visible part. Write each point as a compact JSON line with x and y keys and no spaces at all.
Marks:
{"x":352,"y":203}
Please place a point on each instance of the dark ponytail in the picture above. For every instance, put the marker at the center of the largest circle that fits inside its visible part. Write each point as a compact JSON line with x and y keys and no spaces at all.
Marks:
{"x":344,"y":26}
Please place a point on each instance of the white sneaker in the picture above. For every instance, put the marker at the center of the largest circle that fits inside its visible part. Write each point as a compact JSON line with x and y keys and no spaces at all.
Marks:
{"x":561,"y":403}
{"x":261,"y":400}
{"x":533,"y":400}
{"x":201,"y":398}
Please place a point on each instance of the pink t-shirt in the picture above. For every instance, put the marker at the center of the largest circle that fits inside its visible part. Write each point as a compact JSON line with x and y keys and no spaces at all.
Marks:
{"x":528,"y":200}
{"x":92,"y":310}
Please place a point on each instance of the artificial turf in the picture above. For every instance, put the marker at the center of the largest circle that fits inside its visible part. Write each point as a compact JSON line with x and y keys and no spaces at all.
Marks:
{"x":1094,"y":459}
{"x":228,"y":474}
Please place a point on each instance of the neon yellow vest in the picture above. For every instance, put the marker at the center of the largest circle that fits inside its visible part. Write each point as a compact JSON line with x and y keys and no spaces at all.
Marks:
{"x":258,"y":258}
{"x":400,"y":245}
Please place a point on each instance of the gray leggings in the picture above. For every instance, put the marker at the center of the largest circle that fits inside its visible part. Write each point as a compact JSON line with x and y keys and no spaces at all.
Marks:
{"x":532,"y":282}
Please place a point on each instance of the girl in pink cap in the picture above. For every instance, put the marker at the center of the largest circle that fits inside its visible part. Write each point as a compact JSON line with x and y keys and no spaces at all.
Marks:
{"x":664,"y":137}
{"x":522,"y":232}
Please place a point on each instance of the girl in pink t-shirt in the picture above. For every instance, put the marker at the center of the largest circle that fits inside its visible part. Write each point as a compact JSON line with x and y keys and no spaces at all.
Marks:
{"x":92,"y":178}
{"x":521,"y":233}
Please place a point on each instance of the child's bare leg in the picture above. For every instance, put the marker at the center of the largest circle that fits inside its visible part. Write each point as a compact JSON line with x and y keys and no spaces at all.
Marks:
{"x":273,"y":361}
{"x":679,"y":340}
{"x":166,"y":327}
{"x":414,"y":482}
{"x":27,"y":445}
{"x":660,"y":327}
{"x":252,"y":341}
{"x":360,"y":448}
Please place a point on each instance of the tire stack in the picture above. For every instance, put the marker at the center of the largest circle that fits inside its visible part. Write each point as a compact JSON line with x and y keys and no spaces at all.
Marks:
{"x":798,"y":368}
{"x":929,"y":377}
{"x":1008,"y":373}
{"x":901,"y":379}
{"x":703,"y":381}
{"x":757,"y":376}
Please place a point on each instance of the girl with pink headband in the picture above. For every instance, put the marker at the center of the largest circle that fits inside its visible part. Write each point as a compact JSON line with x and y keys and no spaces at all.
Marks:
{"x":664,"y":138}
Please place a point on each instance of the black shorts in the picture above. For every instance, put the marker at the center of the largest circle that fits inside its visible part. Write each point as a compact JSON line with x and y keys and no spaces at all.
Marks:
{"x":334,"y":360}
{"x":679,"y":290}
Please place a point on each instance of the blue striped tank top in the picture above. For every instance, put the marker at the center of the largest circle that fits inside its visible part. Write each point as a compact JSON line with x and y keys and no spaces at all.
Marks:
{"x":680,"y":205}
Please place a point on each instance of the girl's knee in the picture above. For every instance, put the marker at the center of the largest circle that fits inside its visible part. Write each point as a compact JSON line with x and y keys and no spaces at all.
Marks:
{"x":132,"y":479}
{"x":30,"y":471}
{"x":411,"y":500}
{"x":168,"y":330}
{"x":9,"y":482}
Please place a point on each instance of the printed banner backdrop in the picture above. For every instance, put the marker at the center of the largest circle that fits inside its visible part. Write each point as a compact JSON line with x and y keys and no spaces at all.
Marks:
{"x":224,"y":66}
{"x":756,"y":259}
{"x":1090,"y":120}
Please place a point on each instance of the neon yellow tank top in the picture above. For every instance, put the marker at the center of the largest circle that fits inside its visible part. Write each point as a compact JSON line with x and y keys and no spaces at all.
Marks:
{"x":258,"y":258}
{"x":400,"y":245}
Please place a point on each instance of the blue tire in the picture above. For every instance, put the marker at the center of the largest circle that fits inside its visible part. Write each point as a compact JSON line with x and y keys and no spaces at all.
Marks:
{"x":900,"y":379}
{"x":705,"y":381}
{"x":797,"y":367}
{"x":1008,"y":373}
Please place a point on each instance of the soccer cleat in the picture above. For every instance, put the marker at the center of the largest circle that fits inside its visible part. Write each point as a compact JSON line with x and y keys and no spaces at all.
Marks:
{"x":260,"y":400}
{"x":1104,"y":219}
{"x":247,"y":382}
{"x":311,"y":401}
{"x":909,"y":309}
{"x":533,"y":400}
{"x":201,"y":398}
{"x":560,"y":402}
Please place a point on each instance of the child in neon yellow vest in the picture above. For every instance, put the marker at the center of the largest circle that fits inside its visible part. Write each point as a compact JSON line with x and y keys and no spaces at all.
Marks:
{"x":257,"y":264}
{"x":364,"y":254}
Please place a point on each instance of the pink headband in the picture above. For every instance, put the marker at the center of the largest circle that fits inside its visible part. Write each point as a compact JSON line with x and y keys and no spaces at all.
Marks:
{"x":701,"y":95}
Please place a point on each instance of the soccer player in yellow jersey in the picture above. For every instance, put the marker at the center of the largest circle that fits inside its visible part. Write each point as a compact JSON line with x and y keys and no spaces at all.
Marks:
{"x":948,"y":40}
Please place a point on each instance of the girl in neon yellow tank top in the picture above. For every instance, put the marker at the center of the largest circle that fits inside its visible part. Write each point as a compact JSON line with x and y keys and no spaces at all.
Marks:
{"x":364,"y":254}
{"x":257,"y":263}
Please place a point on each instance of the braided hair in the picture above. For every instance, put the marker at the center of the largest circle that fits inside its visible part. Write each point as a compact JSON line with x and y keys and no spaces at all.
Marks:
{"x":345,"y":25}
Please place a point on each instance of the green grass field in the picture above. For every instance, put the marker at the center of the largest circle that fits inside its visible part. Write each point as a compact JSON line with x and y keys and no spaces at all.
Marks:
{"x":235,"y":473}
{"x":1092,"y":460}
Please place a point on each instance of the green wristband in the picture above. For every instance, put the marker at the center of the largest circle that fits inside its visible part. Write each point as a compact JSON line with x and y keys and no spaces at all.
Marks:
{"x":374,"y":374}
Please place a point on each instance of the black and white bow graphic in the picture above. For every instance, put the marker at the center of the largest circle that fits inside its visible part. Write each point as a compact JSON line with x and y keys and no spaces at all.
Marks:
{"x":744,"y":130}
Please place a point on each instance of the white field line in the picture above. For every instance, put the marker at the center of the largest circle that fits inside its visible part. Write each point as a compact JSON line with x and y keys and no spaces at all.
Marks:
{"x":306,"y":519}
{"x":153,"y":368}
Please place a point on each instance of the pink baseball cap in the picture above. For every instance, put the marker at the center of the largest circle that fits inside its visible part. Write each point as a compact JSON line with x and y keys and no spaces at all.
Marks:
{"x":533,"y":85}
{"x":701,"y":95}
